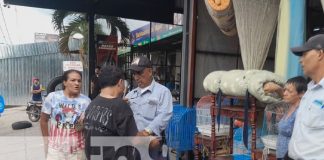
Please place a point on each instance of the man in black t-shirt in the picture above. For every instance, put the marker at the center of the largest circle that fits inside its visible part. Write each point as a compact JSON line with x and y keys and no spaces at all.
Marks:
{"x":108,"y":114}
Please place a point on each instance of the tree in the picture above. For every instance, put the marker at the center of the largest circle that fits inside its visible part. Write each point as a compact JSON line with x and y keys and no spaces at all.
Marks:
{"x":79,"y":24}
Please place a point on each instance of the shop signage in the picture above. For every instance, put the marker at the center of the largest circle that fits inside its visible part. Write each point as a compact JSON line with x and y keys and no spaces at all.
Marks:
{"x":141,"y":36}
{"x":106,"y":49}
{"x":75,"y":65}
{"x":44,"y":37}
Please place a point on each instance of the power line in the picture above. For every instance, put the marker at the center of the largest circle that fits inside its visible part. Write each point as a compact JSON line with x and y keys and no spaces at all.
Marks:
{"x":5,"y":24}
{"x":17,"y":24}
{"x":4,"y":37}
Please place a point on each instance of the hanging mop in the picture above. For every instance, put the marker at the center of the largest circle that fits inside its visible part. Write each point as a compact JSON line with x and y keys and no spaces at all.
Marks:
{"x":256,"y":23}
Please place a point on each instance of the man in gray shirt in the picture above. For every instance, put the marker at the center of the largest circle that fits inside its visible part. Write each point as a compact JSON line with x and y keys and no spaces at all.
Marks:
{"x":307,"y":140}
{"x":150,"y":102}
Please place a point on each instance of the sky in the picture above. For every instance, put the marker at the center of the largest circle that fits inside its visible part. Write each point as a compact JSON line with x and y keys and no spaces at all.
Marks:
{"x":18,"y":24}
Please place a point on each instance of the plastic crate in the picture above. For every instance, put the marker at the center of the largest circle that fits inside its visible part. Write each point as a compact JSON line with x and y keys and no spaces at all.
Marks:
{"x":181,"y":128}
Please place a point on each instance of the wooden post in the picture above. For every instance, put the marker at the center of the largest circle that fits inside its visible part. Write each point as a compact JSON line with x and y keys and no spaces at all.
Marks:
{"x":253,"y":125}
{"x":196,"y":152}
{"x":231,"y":136}
{"x":213,"y":131}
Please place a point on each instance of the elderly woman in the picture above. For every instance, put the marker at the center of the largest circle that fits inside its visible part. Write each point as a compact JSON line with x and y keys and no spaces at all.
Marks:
{"x":292,"y":93}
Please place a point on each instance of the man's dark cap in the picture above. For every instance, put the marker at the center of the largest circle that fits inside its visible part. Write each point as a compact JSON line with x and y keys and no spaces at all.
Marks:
{"x":140,"y":63}
{"x":315,"y":42}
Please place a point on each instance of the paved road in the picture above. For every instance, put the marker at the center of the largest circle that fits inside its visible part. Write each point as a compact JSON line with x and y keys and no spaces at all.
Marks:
{"x":25,"y":144}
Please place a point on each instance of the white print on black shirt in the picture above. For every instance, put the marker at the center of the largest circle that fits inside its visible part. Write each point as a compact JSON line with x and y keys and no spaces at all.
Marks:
{"x":100,"y":114}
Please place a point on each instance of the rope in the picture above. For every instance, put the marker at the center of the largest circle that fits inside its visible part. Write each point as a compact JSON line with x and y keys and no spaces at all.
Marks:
{"x":5,"y":24}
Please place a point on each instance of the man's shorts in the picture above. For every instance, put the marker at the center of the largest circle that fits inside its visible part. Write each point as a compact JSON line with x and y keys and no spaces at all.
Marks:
{"x":53,"y":154}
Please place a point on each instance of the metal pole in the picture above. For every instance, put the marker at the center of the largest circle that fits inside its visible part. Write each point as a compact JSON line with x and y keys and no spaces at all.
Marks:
{"x":150,"y":39}
{"x":184,"y":53}
{"x":91,"y":48}
{"x":192,"y":52}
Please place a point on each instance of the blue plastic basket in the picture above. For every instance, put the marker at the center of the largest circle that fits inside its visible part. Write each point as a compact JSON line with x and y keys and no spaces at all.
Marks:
{"x":241,"y":157}
{"x":181,"y":128}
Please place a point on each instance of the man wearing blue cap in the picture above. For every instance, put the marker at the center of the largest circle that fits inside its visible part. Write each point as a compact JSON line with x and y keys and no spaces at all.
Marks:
{"x":307,"y":141}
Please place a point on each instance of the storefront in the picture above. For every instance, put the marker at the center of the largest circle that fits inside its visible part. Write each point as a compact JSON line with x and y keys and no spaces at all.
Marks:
{"x":214,"y":51}
{"x":298,"y":20}
{"x":162,"y":43}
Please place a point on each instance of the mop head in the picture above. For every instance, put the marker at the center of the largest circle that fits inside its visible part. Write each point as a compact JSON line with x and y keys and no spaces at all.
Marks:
{"x":237,"y":82}
{"x":222,"y":13}
{"x":256,"y":23}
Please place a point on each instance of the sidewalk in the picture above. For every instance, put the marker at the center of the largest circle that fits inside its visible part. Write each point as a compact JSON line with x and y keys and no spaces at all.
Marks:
{"x":25,"y":144}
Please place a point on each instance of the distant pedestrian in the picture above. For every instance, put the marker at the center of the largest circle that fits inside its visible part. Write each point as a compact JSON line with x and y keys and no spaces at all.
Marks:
{"x":36,"y":90}
{"x":94,"y":88}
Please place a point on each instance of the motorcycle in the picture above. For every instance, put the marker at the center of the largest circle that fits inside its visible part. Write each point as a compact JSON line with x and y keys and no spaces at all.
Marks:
{"x":34,"y":110}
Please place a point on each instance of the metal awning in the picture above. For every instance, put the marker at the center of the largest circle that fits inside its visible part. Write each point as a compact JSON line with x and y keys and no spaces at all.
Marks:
{"x":148,"y":10}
